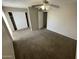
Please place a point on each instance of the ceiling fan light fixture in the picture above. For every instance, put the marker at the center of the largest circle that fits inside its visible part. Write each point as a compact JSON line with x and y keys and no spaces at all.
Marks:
{"x":45,"y":7}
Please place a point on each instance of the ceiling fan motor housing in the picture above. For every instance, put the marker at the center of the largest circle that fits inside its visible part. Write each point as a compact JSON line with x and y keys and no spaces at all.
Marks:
{"x":45,"y":1}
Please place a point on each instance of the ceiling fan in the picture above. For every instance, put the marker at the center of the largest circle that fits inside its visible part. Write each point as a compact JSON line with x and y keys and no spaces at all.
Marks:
{"x":45,"y":6}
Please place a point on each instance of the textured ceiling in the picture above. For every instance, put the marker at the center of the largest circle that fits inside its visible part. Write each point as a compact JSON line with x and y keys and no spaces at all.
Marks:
{"x":26,"y":3}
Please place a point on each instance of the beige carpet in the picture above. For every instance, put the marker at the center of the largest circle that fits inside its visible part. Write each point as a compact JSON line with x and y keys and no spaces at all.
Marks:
{"x":45,"y":44}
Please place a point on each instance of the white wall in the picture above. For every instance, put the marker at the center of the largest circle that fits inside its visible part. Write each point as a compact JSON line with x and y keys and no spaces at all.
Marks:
{"x":63,"y":20}
{"x":7,"y":45}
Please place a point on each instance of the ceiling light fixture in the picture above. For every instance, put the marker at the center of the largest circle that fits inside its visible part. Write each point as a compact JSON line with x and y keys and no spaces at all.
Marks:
{"x":45,"y":7}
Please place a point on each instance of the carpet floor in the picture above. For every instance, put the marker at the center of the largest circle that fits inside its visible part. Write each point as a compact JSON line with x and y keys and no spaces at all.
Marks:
{"x":45,"y":44}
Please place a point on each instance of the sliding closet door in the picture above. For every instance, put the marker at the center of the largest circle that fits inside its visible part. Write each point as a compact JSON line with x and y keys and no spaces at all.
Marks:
{"x":20,"y":20}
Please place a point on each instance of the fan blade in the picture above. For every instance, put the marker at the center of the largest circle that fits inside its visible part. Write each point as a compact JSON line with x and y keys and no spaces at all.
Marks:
{"x":54,"y":5}
{"x":37,"y":5}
